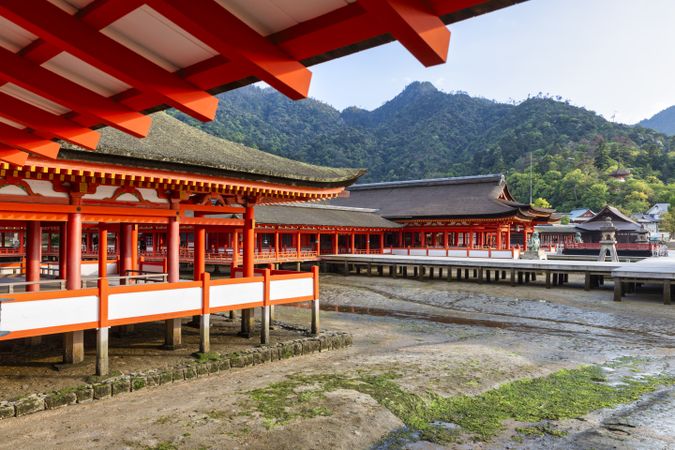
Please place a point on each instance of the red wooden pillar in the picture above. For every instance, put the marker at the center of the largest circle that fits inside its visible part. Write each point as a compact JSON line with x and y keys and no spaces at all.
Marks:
{"x":33,"y":254}
{"x":423,"y":239}
{"x":173,"y":336}
{"x":126,"y":251}
{"x":445,"y":240}
{"x":353,"y":243}
{"x":276,"y":244}
{"x":367,"y":243}
{"x":134,"y":247}
{"x":336,"y":248}
{"x":499,"y":238}
{"x":199,"y":262}
{"x":298,"y":244}
{"x":235,"y":249}
{"x":247,"y":315}
{"x":74,"y":255}
{"x":102,"y":250}
{"x":172,"y":251}
{"x":318,"y":243}
{"x":381,"y":241}
{"x":63,"y":252}
{"x":73,"y":342}
{"x":248,"y":261}
{"x":508,"y":237}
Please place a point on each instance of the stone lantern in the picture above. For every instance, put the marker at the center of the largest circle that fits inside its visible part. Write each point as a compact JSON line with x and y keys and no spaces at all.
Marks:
{"x":608,"y":242}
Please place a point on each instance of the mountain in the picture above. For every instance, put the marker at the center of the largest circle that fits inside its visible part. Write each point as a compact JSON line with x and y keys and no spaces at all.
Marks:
{"x":663,"y":121}
{"x":424,"y":132}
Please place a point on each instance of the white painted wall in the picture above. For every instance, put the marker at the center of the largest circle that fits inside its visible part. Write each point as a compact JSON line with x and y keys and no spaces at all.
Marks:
{"x":16,"y":316}
{"x":236,"y":294}
{"x":300,"y":287}
{"x":148,"y":303}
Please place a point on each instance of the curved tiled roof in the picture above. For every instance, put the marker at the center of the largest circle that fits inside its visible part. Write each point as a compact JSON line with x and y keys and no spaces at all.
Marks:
{"x":457,"y":197}
{"x":174,"y":145}
{"x":321,"y":215}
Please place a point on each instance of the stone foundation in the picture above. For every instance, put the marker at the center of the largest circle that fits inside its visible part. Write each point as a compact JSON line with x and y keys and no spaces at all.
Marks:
{"x":213,"y":363}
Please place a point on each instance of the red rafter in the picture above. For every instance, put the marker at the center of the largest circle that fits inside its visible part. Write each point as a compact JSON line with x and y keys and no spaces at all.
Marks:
{"x":46,"y":83}
{"x":416,"y":27}
{"x":232,"y":38}
{"x":14,"y":137}
{"x":12,"y":155}
{"x":43,"y":121}
{"x":66,"y":32}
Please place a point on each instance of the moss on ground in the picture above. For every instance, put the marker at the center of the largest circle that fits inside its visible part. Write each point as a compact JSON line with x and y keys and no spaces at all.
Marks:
{"x":560,"y":395}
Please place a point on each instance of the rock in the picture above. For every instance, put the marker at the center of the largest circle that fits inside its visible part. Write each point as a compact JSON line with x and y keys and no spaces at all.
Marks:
{"x":202,"y":370}
{"x":190,"y":373}
{"x":29,"y":405}
{"x":165,"y":376}
{"x":102,"y":390}
{"x":178,"y":374}
{"x":84,"y":394}
{"x":138,"y":383}
{"x":121,"y":385}
{"x":6,"y":410}
{"x":224,"y":364}
{"x":60,"y":399}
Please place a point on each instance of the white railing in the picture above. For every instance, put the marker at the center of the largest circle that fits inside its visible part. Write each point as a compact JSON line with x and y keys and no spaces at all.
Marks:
{"x":50,"y":312}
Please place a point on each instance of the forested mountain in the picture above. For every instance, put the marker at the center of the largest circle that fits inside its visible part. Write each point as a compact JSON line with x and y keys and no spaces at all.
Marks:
{"x":663,"y":121}
{"x":424,"y":133}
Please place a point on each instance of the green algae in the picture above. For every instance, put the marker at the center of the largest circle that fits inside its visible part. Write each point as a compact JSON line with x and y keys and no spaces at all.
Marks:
{"x":563,"y":394}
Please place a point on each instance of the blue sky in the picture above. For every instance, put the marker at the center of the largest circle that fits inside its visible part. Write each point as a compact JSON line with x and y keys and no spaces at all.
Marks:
{"x":616,"y":57}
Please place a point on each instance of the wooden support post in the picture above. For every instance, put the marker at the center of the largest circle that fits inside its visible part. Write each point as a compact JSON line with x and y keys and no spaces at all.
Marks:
{"x":205,"y":318}
{"x":487,"y":275}
{"x":33,"y":255}
{"x":173,"y":333}
{"x":73,"y":342}
{"x":63,"y":252}
{"x":548,"y":279}
{"x":73,"y":347}
{"x":248,"y":315}
{"x":520,"y":277}
{"x":102,"y":250}
{"x":102,"y":362}
{"x":617,"y":289}
{"x":266,"y":310}
{"x":534,"y":276}
{"x":587,"y":281}
{"x":466,"y":274}
{"x":480,"y":274}
{"x":513,"y":277}
{"x":666,"y":292}
{"x":527,"y":277}
{"x":315,"y":327}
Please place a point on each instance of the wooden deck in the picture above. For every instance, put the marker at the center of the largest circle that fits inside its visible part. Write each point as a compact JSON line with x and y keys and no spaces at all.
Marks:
{"x":626,"y":276}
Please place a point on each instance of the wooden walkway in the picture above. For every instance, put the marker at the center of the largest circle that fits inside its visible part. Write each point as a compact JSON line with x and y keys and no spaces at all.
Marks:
{"x":627,"y":276}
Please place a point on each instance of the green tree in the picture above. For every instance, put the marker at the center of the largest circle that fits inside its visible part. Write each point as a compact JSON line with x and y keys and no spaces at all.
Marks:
{"x":541,"y":203}
{"x":565,"y":220}
{"x":668,"y":223}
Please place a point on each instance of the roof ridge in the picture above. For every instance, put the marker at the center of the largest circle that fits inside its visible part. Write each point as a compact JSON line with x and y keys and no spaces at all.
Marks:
{"x":430,"y":182}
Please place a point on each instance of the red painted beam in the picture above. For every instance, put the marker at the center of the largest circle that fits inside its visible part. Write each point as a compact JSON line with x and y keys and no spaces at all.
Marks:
{"x":23,"y":140}
{"x":12,"y":155}
{"x":416,"y":26}
{"x":43,"y":121}
{"x":232,"y":38}
{"x":54,"y":87}
{"x":66,"y":32}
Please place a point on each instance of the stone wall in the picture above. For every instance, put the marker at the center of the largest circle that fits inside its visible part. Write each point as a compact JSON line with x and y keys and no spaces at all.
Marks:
{"x":207,"y":365}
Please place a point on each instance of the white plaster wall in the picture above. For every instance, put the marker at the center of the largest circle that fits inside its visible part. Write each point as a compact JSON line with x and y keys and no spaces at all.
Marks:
{"x":281,"y":289}
{"x":148,"y":303}
{"x":16,"y":316}
{"x":236,"y":294}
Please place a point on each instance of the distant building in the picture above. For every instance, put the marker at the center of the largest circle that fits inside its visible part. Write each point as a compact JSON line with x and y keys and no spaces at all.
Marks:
{"x":620,"y":174}
{"x":651,"y":219}
{"x":631,"y":236}
{"x":580,"y":215}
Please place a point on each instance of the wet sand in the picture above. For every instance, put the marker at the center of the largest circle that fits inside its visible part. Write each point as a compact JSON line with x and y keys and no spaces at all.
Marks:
{"x":449,"y":339}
